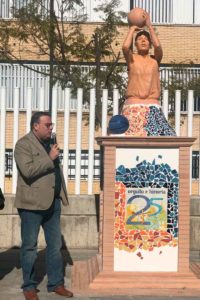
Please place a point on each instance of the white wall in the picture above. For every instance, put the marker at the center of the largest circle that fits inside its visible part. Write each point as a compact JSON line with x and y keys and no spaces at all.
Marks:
{"x":96,"y":16}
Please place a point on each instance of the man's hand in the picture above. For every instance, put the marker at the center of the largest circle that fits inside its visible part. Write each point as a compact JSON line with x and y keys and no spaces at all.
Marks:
{"x":54,"y":152}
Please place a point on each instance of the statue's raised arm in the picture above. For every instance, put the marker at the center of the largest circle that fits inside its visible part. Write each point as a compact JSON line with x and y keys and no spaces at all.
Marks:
{"x":158,"y":52}
{"x":142,"y":105}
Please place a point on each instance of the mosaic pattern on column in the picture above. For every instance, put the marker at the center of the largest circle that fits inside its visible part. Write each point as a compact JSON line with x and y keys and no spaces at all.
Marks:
{"x":146,"y":120}
{"x":146,"y":175}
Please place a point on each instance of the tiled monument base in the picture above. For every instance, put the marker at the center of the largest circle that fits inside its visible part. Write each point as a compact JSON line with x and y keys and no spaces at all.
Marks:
{"x":88,"y":279}
{"x":144,"y":236}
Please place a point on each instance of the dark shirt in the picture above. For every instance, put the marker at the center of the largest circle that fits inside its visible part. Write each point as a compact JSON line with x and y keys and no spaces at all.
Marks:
{"x":47,"y":147}
{"x":57,"y":178}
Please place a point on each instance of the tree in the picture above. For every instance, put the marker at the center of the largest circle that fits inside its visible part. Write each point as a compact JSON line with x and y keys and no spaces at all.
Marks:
{"x":35,"y":31}
{"x":62,"y":39}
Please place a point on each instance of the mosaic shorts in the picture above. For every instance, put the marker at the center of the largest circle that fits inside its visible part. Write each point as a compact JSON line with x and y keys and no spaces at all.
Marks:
{"x":146,"y":120}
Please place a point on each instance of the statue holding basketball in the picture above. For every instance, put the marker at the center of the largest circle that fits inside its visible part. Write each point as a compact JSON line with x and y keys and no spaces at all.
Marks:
{"x":142,"y":107}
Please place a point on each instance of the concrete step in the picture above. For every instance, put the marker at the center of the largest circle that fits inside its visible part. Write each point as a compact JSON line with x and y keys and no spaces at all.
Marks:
{"x":79,"y":223}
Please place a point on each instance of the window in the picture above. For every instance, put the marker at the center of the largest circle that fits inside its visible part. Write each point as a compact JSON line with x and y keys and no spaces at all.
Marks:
{"x":8,"y":162}
{"x":195,"y":164}
{"x":84,"y":164}
{"x":71,"y":166}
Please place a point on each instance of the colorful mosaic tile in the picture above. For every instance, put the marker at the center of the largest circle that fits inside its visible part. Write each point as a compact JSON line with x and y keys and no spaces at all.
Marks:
{"x":146,"y":120}
{"x":146,"y":176}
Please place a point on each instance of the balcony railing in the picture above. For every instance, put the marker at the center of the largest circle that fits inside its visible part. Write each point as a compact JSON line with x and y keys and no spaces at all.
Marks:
{"x":161,"y":11}
{"x":14,"y":75}
{"x":171,"y":11}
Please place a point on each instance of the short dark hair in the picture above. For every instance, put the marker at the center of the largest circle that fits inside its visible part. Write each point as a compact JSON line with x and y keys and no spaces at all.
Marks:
{"x":143,"y":32}
{"x":36,"y":117}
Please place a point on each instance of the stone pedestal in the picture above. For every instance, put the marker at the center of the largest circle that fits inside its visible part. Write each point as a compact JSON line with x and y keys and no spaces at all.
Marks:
{"x":144,"y":232}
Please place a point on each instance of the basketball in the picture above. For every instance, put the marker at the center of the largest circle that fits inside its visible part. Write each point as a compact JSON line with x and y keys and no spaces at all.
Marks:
{"x":137,"y":17}
{"x":118,"y":124}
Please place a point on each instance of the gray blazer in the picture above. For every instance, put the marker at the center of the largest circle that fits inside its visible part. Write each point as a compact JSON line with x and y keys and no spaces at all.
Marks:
{"x":36,"y":176}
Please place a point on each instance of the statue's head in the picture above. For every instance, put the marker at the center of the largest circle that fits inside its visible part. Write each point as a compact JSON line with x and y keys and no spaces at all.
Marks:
{"x":141,"y":38}
{"x":145,"y":33}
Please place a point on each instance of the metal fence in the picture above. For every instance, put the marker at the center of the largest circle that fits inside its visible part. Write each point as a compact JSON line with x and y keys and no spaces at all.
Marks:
{"x":79,"y":164}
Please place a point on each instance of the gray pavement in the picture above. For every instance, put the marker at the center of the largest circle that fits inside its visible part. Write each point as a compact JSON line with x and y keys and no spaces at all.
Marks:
{"x":11,"y":277}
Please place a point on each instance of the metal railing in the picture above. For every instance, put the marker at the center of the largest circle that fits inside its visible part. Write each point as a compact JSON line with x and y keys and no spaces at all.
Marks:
{"x":171,"y":11}
{"x":14,"y":75}
{"x":161,"y":11}
{"x":78,"y":157}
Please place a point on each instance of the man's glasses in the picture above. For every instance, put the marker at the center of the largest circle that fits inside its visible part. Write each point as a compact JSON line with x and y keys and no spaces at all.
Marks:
{"x":48,"y":125}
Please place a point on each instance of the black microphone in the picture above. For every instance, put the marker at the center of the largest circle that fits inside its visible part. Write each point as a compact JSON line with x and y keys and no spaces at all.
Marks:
{"x":53,"y":139}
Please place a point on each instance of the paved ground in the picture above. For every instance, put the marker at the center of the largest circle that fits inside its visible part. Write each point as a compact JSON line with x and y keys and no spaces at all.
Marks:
{"x":11,"y":277}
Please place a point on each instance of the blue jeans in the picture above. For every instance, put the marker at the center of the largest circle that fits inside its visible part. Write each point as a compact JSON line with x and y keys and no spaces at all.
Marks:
{"x":49,"y":219}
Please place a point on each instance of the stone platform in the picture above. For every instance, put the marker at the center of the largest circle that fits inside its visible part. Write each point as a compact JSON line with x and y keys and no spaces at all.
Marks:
{"x":88,"y":279}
